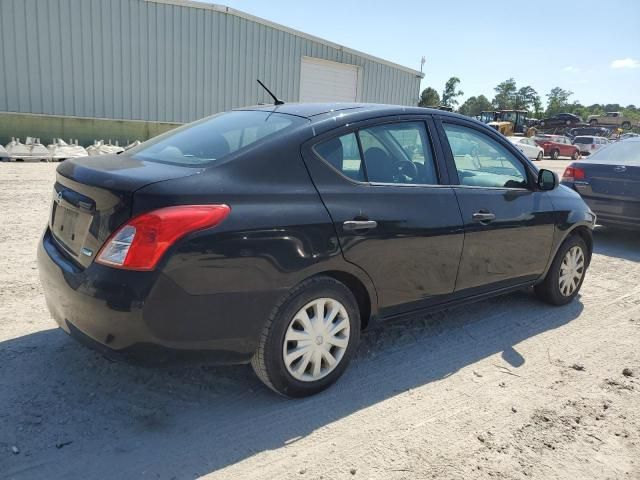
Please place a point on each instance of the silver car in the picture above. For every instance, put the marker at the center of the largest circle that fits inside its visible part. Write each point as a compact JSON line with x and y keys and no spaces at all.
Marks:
{"x":589,"y":145}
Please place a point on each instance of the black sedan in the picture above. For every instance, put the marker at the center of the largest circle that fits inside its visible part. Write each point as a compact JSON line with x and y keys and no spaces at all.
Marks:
{"x":609,"y":181}
{"x":275,"y":234}
{"x":560,"y":120}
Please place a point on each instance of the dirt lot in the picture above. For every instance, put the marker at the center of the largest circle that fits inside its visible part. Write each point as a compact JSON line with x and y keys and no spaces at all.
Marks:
{"x":507,"y":388}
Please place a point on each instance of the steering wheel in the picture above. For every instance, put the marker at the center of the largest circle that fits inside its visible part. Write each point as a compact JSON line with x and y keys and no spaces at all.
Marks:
{"x":407,"y":169}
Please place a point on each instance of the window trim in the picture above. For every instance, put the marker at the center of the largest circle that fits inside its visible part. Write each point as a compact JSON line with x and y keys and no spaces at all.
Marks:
{"x":429,"y":130}
{"x":492,"y":134}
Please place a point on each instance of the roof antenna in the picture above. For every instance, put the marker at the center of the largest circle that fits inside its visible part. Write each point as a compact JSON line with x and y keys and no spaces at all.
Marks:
{"x":275,"y":99}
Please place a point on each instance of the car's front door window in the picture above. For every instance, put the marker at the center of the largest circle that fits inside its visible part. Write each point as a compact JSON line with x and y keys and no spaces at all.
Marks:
{"x":483,"y":162}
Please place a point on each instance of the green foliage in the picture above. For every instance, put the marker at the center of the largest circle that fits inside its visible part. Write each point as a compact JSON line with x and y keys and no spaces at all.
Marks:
{"x":429,"y":98}
{"x":474,"y":105}
{"x":508,"y":96}
{"x":557,"y":101}
{"x":450,"y":92}
{"x":505,"y":95}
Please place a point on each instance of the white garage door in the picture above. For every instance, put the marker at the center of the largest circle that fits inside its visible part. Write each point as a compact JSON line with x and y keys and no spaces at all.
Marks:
{"x":325,"y":81}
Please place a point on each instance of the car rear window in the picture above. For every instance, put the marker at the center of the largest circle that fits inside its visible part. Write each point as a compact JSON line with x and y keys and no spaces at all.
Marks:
{"x":620,"y":152}
{"x":213,"y":138}
{"x":583,"y":140}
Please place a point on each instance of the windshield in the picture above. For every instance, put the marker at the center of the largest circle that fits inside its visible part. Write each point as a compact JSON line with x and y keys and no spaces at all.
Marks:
{"x":620,"y":152}
{"x":214,"y":137}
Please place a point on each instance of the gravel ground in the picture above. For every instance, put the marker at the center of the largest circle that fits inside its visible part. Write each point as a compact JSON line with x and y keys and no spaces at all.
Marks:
{"x":507,"y":388}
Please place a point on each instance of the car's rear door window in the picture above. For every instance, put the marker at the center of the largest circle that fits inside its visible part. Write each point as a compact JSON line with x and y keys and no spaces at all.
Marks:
{"x":482,"y":161}
{"x":343,"y":154}
{"x":398,"y":153}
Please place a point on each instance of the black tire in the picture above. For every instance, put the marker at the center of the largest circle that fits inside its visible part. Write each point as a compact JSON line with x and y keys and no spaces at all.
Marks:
{"x":542,"y":123}
{"x":539,"y":157}
{"x":626,"y":126}
{"x":575,"y":155}
{"x":549,"y":289}
{"x":268,"y":362}
{"x":593,"y":122}
{"x":555,"y":153}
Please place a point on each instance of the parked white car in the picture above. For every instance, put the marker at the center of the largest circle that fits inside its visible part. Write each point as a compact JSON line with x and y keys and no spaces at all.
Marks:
{"x":589,"y":145}
{"x":527,"y":146}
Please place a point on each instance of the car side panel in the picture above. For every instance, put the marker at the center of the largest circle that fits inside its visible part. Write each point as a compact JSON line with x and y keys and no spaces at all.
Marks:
{"x":277,"y":234}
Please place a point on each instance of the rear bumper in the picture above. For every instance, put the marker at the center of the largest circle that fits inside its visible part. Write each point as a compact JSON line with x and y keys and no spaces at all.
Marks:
{"x":614,"y":213}
{"x":121,"y":310}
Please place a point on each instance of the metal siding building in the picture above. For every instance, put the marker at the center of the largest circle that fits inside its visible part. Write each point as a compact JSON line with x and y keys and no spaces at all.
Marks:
{"x":163,"y":60}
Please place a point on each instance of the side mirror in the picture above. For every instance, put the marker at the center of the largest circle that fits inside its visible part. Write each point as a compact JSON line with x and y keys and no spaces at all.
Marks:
{"x":547,"y":180}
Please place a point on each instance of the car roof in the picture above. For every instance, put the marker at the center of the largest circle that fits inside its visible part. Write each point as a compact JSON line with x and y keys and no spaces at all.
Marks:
{"x":312,"y":110}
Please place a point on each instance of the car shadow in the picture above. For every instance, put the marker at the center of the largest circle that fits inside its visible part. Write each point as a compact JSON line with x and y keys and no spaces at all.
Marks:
{"x":612,"y":242}
{"x":73,"y":413}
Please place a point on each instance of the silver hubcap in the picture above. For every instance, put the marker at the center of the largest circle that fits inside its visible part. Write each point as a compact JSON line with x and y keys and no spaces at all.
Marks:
{"x":571,"y":271}
{"x":316,"y":340}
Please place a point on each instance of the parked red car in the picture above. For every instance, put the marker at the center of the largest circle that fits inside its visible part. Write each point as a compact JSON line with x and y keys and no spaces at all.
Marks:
{"x":557,"y":145}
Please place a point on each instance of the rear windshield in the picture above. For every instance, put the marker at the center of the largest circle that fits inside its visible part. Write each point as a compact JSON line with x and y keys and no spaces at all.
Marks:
{"x":214,"y":137}
{"x":621,"y":152}
{"x":583,"y":140}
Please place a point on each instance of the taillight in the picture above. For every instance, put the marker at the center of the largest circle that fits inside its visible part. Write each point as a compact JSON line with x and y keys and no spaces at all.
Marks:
{"x":140,"y":243}
{"x":593,"y":146}
{"x":573,"y":173}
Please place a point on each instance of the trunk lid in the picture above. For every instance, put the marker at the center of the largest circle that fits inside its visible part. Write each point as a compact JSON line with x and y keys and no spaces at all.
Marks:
{"x":612,"y":180}
{"x":93,"y":196}
{"x":611,"y":189}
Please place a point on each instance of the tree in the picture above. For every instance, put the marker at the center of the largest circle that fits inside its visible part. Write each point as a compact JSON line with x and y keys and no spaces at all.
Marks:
{"x":429,"y":98}
{"x":450,"y":92}
{"x":474,"y":105}
{"x":557,"y":100}
{"x":505,"y":94}
{"x":526,"y":99}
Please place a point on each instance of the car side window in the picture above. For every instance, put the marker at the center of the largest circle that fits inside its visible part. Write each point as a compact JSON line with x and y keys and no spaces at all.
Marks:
{"x":343,"y":154}
{"x":398,"y":153}
{"x":482,"y":161}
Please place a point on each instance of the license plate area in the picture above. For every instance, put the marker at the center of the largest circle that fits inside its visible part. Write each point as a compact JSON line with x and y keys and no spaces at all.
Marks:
{"x":69,"y":226}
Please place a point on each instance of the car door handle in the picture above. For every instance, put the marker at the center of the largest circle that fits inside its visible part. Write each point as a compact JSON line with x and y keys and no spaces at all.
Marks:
{"x":483,"y":217}
{"x":359,"y":224}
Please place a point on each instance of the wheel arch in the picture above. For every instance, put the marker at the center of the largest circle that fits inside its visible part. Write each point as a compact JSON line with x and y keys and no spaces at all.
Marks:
{"x":364,"y":295}
{"x":585,"y":233}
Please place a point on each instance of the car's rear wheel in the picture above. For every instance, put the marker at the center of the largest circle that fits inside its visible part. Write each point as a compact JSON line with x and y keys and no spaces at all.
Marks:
{"x":575,"y":155}
{"x":626,"y":125}
{"x":539,"y":157}
{"x":555,"y":154}
{"x":309,"y":339}
{"x":593,"y":123}
{"x":566,"y":274}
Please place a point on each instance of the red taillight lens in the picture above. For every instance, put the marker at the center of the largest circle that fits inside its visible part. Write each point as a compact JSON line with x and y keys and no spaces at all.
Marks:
{"x":593,"y":146}
{"x":573,"y":173}
{"x":140,"y":243}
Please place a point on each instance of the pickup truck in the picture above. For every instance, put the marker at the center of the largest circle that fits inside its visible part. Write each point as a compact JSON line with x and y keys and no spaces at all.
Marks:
{"x":610,"y":118}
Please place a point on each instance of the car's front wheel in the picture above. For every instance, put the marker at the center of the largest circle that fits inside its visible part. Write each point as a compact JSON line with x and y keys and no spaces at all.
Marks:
{"x":555,"y":154}
{"x":575,"y":155}
{"x":566,"y":274}
{"x":309,"y":339}
{"x":593,"y":122}
{"x":539,"y":157}
{"x":626,"y":125}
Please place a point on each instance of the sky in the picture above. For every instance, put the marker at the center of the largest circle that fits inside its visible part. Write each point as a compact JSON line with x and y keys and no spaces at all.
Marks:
{"x":591,"y":48}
